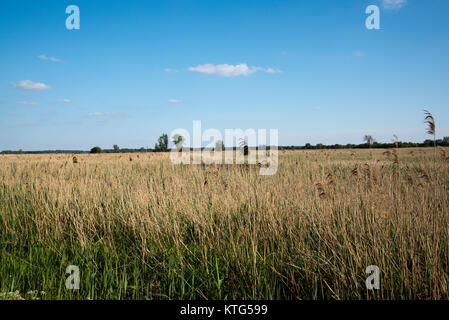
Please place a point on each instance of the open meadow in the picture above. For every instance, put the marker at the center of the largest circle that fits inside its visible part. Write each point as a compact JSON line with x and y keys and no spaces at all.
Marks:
{"x":140,"y":227}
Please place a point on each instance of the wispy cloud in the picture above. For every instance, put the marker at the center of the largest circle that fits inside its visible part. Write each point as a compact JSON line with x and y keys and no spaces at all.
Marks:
{"x":44,"y":57}
{"x":271,"y":70}
{"x":229,"y":70}
{"x":359,"y":54}
{"x":26,"y":103}
{"x":174,"y":101}
{"x":393,"y":4}
{"x":64,"y":101}
{"x":170,"y":70}
{"x":104,"y":114}
{"x":30,"y":85}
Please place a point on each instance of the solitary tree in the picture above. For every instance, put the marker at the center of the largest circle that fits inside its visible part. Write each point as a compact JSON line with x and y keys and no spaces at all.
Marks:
{"x":96,"y":150}
{"x":368,"y":139}
{"x":116,"y":148}
{"x":162,"y":143}
{"x":445,"y":141}
{"x":178,"y":141}
{"x":219,"y":145}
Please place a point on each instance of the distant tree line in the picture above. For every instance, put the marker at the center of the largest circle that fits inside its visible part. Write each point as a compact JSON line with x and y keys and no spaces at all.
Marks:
{"x":373,"y":144}
{"x":162,"y":146}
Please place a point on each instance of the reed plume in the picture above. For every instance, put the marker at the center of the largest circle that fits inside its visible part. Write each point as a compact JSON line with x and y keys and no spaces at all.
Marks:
{"x":396,"y":141}
{"x":430,"y":121}
{"x":244,"y":146}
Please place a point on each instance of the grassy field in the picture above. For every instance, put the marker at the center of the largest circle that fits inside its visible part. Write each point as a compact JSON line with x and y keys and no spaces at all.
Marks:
{"x":148,"y":229}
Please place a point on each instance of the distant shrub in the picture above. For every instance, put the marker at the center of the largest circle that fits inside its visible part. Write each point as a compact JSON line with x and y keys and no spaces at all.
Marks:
{"x":96,"y":150}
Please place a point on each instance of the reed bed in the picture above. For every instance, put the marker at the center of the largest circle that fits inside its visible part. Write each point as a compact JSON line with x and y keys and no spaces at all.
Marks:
{"x":140,"y":227}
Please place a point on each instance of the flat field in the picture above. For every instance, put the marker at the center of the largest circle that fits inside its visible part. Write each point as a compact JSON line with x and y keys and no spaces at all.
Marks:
{"x":140,"y":227}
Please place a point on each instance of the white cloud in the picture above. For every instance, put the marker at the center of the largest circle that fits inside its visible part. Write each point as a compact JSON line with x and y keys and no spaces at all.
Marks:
{"x":229,"y":70}
{"x":104,"y":114}
{"x":170,"y":70}
{"x":394,"y":4}
{"x":26,"y":103}
{"x":30,"y":85}
{"x":359,"y":54}
{"x":44,"y":57}
{"x":64,"y":101}
{"x":271,"y":70}
{"x":174,"y":101}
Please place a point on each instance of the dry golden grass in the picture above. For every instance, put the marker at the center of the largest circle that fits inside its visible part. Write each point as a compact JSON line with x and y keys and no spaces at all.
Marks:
{"x":309,"y":231}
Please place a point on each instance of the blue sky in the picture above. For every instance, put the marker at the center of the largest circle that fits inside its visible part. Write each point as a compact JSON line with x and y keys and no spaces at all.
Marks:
{"x":136,"y":69}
